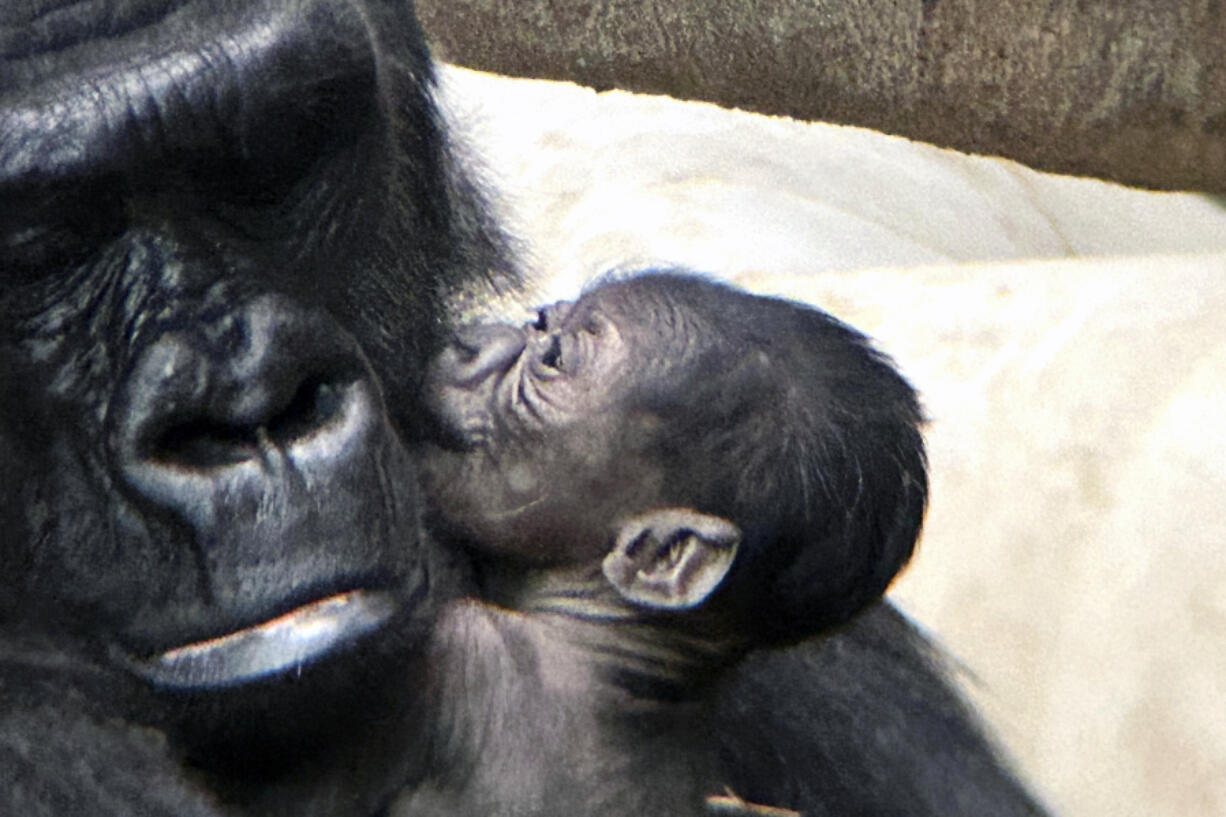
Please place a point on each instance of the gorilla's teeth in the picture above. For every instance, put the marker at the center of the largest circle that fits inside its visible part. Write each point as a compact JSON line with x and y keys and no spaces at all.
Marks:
{"x":280,"y":644}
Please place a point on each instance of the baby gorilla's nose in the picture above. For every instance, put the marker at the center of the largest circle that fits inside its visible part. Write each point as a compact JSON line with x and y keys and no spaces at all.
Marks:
{"x":479,"y":351}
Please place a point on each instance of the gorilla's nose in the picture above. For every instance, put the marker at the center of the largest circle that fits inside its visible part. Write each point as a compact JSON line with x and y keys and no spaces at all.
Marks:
{"x":232,"y":407}
{"x":477,"y":352}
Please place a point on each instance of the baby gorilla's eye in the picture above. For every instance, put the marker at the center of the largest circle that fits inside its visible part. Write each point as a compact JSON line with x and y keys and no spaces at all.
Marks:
{"x":553,"y":353}
{"x":542,"y":321}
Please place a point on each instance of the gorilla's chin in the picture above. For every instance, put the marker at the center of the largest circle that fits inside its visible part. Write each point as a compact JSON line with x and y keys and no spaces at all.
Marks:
{"x":285,"y":643}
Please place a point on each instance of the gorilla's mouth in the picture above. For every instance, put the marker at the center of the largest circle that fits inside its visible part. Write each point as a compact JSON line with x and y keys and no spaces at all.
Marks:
{"x":282,"y":644}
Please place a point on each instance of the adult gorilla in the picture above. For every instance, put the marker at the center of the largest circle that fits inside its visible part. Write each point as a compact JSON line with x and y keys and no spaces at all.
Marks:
{"x":232,"y":232}
{"x":220,"y":220}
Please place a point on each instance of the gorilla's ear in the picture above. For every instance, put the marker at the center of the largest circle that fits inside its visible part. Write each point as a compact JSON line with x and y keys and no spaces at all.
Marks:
{"x":671,"y":558}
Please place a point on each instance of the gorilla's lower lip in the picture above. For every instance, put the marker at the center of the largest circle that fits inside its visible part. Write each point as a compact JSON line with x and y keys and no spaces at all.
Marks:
{"x":285,"y":643}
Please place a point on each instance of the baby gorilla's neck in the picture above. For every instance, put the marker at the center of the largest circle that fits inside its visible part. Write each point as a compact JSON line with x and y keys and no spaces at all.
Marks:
{"x":530,"y":718}
{"x":648,"y":653}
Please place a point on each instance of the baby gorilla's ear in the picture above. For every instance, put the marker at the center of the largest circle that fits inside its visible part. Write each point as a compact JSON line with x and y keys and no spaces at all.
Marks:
{"x":671,"y":558}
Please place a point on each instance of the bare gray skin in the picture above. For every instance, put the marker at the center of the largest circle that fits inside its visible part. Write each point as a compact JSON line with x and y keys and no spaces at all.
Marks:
{"x":611,"y":563}
{"x":550,"y":465}
{"x":542,"y":473}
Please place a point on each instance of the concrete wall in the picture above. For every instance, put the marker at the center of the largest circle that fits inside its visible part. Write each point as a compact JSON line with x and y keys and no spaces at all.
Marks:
{"x":1133,"y":91}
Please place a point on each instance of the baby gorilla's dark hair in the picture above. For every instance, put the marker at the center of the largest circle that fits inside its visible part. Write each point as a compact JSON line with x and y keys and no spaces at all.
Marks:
{"x":787,"y":422}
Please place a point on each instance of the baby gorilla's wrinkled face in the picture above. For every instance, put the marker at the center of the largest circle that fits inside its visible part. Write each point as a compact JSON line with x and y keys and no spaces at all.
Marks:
{"x":545,"y":448}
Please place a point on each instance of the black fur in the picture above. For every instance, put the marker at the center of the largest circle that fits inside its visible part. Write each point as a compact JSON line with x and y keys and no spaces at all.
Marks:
{"x":879,"y":729}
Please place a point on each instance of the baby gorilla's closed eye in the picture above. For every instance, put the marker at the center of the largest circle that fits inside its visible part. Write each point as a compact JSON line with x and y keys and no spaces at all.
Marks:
{"x":553,"y":353}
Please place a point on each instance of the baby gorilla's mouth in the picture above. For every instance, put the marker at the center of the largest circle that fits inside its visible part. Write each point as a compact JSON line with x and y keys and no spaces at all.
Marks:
{"x":289,"y":641}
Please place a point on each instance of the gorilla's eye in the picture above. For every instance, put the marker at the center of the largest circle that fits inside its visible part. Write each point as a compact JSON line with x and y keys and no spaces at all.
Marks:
{"x":45,"y":232}
{"x":542,"y":321}
{"x":553,"y":354}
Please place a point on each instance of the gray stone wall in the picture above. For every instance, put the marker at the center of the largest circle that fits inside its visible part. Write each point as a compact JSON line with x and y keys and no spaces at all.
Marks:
{"x":1128,"y":90}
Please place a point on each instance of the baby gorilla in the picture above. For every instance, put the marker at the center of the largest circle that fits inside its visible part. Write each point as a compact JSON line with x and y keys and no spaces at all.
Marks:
{"x":660,"y":476}
{"x":682,"y":420}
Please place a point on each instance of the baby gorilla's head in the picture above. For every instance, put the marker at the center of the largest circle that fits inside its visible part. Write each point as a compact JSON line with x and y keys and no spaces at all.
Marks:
{"x":682,"y":420}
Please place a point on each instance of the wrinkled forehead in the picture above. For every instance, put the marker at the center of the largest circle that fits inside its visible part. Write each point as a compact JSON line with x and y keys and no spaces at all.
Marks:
{"x":661,"y":312}
{"x":618,"y":296}
{"x":666,"y":331}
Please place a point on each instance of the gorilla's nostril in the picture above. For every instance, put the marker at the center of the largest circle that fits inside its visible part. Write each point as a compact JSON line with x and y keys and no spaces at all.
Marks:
{"x":205,"y":443}
{"x":314,"y":406}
